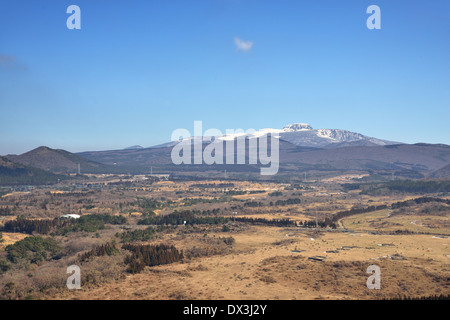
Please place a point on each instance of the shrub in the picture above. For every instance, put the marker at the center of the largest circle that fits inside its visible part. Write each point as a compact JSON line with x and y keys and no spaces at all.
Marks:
{"x":33,"y":249}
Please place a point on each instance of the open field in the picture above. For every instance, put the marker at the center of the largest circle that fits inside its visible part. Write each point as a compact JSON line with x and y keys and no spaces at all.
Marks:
{"x":275,"y":251}
{"x":383,"y":220}
{"x":264,"y":266}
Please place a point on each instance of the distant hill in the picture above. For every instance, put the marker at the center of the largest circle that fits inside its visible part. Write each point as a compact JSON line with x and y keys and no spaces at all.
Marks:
{"x":443,"y":172}
{"x":57,"y":161}
{"x":137,"y":147}
{"x":408,"y":160}
{"x":419,"y":157}
{"x":12,"y":174}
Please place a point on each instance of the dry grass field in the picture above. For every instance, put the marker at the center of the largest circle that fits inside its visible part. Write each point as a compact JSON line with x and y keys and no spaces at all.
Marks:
{"x":10,"y":238}
{"x":272,"y":263}
{"x":410,"y":244}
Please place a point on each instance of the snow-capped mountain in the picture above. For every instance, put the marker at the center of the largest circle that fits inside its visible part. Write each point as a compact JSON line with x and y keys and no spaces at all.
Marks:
{"x":302,"y":134}
{"x":327,"y":137}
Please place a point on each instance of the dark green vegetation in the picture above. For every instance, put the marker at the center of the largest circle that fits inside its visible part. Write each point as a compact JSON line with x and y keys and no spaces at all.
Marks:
{"x":147,"y":205}
{"x":150,"y":255}
{"x":94,"y":222}
{"x":33,"y":250}
{"x":88,"y":223}
{"x":353,"y":211}
{"x":14,"y":174}
{"x":137,"y":235}
{"x":108,"y":249}
{"x":179,"y":218}
{"x":39,"y":226}
{"x":273,"y":222}
{"x":420,"y":200}
{"x":395,"y":205}
{"x":404,"y":186}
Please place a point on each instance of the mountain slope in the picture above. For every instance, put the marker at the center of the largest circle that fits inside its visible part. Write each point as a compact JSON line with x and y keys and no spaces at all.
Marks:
{"x":443,"y":172}
{"x":12,"y":173}
{"x":420,"y":158}
{"x":303,"y":135}
{"x":57,"y":161}
{"x":417,"y":157}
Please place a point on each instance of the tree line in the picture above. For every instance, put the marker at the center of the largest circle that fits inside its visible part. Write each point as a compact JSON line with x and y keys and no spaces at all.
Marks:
{"x":137,"y":235}
{"x":353,"y":211}
{"x":430,"y":186}
{"x":395,"y":205}
{"x":286,"y":202}
{"x":269,"y":222}
{"x":179,"y":218}
{"x":420,"y":200}
{"x":108,"y":249}
{"x":327,"y":223}
{"x":21,"y":225}
{"x":150,"y":255}
{"x":88,"y":223}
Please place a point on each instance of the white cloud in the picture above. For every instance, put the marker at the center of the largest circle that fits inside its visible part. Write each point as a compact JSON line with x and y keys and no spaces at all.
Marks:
{"x":243,"y":45}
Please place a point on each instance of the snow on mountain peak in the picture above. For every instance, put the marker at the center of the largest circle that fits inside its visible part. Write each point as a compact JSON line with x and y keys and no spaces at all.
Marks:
{"x":297,"y":127}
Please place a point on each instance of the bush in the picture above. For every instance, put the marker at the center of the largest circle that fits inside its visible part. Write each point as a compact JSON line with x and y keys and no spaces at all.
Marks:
{"x":4,"y":266}
{"x":137,"y":235}
{"x":33,"y":249}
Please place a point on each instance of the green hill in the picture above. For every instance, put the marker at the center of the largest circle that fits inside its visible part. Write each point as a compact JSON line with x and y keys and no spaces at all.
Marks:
{"x":12,"y":174}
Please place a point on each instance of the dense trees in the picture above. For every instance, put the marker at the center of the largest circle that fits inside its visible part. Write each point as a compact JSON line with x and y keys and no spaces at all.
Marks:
{"x":353,"y":211}
{"x":275,"y":194}
{"x":278,"y":203}
{"x":253,"y":204}
{"x":40,"y":226}
{"x":394,"y":205}
{"x":178,"y":218}
{"x":32,"y":249}
{"x":273,"y":222}
{"x":287,"y":202}
{"x":412,"y":186}
{"x":137,"y":235}
{"x":93,"y":223}
{"x":213,"y":185}
{"x":420,"y":200}
{"x":101,"y":250}
{"x":12,"y":174}
{"x":321,"y":224}
{"x":235,"y":192}
{"x":88,"y":223}
{"x":150,"y":255}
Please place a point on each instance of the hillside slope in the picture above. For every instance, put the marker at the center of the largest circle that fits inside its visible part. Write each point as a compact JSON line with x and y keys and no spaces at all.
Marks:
{"x":12,"y":174}
{"x":57,"y":161}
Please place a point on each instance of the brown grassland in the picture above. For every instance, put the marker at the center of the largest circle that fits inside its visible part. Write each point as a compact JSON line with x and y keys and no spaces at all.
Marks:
{"x":258,"y":261}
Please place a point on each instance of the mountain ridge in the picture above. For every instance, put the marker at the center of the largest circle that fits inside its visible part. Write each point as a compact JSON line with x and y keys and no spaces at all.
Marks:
{"x":302,"y":134}
{"x":55,"y":160}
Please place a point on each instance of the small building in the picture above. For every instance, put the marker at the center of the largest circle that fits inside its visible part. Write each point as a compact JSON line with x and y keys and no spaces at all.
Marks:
{"x":72,"y":216}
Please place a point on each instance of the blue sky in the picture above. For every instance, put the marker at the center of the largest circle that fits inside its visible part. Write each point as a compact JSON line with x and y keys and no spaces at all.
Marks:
{"x":137,"y":70}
